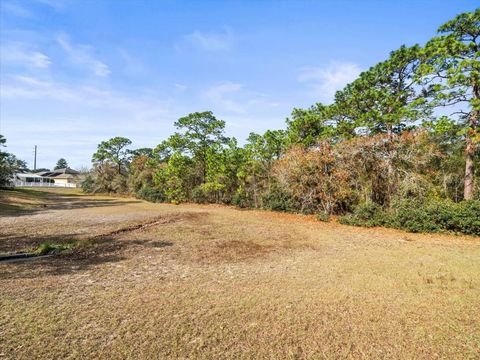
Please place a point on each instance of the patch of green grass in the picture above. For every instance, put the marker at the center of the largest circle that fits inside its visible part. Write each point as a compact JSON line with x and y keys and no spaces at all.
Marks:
{"x":52,"y":248}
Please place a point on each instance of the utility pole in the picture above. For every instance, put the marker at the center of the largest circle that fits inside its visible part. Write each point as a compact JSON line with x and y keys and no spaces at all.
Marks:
{"x":35,"y":159}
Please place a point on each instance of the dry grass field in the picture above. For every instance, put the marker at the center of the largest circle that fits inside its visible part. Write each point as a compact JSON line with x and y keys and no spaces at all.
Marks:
{"x":151,"y":281}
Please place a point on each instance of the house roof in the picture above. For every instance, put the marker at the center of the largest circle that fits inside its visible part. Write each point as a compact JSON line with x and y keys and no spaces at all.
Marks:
{"x":64,"y":176}
{"x":54,"y":173}
{"x":67,"y":171}
{"x":30,"y":175}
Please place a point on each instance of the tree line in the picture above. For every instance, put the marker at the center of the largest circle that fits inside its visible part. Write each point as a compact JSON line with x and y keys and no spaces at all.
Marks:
{"x":397,"y":147}
{"x":383,"y":153}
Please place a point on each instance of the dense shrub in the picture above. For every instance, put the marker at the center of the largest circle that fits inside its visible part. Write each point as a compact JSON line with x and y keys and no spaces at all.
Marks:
{"x":322,"y":216}
{"x":141,"y":174}
{"x":463,"y":217}
{"x":365,"y":214}
{"x":88,"y":184}
{"x":316,"y":179}
{"x":210,"y":192}
{"x":279,"y":199}
{"x":151,"y":194}
{"x":241,"y":199}
{"x":415,"y":216}
{"x":200,"y":195}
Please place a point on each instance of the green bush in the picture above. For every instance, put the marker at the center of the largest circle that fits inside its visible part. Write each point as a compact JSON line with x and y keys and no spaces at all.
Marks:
{"x":416,"y":216}
{"x":323,"y":216}
{"x":365,"y":214}
{"x":278,"y":199}
{"x":151,"y":194}
{"x":200,"y":195}
{"x":242,"y":199}
{"x":467,"y":218}
{"x":87,"y":184}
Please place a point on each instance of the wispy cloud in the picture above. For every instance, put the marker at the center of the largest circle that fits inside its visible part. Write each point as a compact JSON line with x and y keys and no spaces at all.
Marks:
{"x":20,"y":54}
{"x":325,"y":81}
{"x":132,"y":65}
{"x":57,"y":5}
{"x":23,"y":87}
{"x":221,"y":95}
{"x":235,"y":98}
{"x":61,"y":108}
{"x":29,"y":80}
{"x":210,"y":41}
{"x":179,"y":88}
{"x":82,"y":54}
{"x":15,"y":9}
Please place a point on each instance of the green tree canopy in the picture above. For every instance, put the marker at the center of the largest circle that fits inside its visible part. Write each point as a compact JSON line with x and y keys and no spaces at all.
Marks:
{"x":451,"y":63}
{"x":197,"y":133}
{"x":386,"y":98}
{"x":61,"y":164}
{"x":9,"y":164}
{"x":113,"y":151}
{"x":307,"y":126}
{"x":146,"y":151}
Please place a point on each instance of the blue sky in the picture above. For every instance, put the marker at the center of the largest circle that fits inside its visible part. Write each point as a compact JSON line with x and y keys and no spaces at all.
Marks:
{"x":74,"y":73}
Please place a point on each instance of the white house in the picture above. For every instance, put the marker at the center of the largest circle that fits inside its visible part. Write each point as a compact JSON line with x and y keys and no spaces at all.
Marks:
{"x":59,"y":178}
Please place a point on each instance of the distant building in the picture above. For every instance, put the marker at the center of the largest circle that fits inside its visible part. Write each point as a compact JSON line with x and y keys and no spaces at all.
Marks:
{"x":56,"y":172}
{"x":65,"y":179}
{"x":31,"y":179}
{"x":59,"y":178}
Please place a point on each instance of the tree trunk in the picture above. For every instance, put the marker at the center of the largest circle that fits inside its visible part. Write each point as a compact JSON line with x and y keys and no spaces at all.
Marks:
{"x":390,"y":169}
{"x":255,"y":191}
{"x":469,"y":170}
{"x":470,"y":149}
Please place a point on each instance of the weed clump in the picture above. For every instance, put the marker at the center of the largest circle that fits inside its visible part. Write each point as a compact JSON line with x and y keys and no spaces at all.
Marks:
{"x":48,"y":248}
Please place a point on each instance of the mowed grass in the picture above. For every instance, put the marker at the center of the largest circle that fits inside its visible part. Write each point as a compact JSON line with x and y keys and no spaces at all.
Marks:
{"x":190,"y":281}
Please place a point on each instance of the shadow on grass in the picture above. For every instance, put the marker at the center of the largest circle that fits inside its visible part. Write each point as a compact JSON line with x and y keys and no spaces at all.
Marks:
{"x":64,"y":202}
{"x":87,"y":254}
{"x":15,"y":210}
{"x":84,"y":203}
{"x":151,"y":243}
{"x":19,"y":242}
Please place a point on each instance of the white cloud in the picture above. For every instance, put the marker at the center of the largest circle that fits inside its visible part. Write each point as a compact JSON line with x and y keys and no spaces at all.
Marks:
{"x":221,"y":95}
{"x":211,"y":41}
{"x":15,"y":9}
{"x":132,"y":65}
{"x":179,"y":88}
{"x":22,"y":87}
{"x":39,"y":59}
{"x":325,"y":81}
{"x":234,"y":98}
{"x":57,"y":5}
{"x":68,"y":111}
{"x":19,"y":54}
{"x":31,"y":81}
{"x":81,"y":54}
